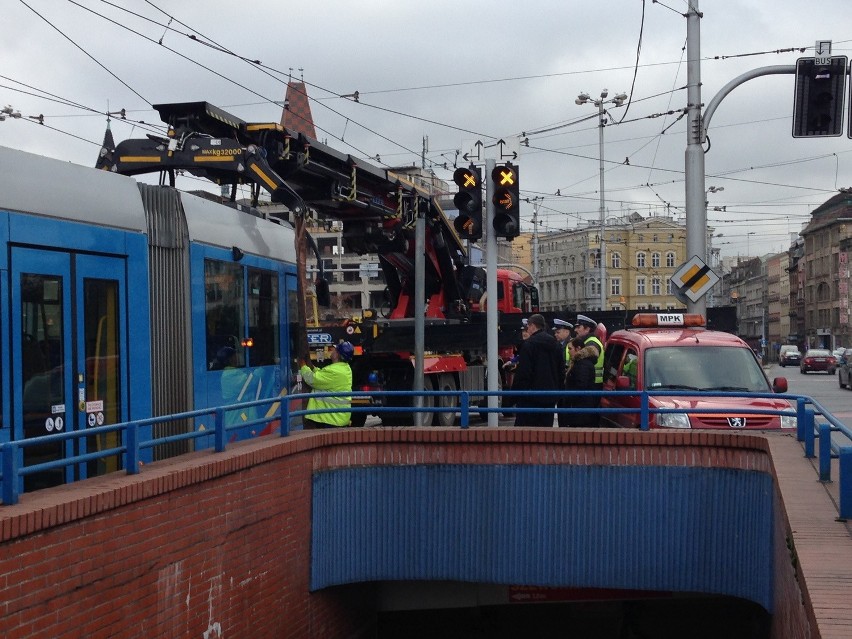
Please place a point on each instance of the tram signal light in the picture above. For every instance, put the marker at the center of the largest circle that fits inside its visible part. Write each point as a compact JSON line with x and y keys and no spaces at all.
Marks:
{"x":507,"y":201}
{"x":818,"y":100}
{"x":468,"y":201}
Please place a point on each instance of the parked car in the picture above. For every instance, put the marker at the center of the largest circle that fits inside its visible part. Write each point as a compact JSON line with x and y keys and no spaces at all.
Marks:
{"x":674,"y":352}
{"x":818,"y":359}
{"x":838,"y":352}
{"x":844,"y":369}
{"x":789,"y":356}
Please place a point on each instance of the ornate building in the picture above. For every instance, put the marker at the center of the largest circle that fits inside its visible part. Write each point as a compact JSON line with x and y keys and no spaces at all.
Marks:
{"x":642,"y":254}
{"x":822,"y":274}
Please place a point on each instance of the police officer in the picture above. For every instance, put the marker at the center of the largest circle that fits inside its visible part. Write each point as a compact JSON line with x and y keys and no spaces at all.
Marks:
{"x":337,"y":376}
{"x":562,"y":332}
{"x":585,"y":328}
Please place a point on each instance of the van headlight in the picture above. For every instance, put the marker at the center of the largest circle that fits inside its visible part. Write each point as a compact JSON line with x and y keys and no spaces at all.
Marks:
{"x":673,"y":420}
{"x":788,"y":421}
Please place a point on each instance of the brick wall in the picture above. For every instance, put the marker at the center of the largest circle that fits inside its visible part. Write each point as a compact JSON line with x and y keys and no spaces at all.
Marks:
{"x":219,"y":545}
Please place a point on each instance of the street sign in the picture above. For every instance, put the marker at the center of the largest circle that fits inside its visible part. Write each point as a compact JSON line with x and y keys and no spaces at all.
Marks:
{"x":822,"y":52}
{"x":504,"y":150}
{"x":694,"y":278}
{"x":472,"y":151}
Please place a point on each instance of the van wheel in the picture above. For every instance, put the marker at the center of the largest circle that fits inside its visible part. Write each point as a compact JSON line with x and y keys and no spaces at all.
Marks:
{"x":447,"y":382}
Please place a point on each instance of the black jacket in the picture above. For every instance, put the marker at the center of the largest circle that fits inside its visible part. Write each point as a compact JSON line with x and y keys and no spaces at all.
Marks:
{"x":581,"y":377}
{"x":541,"y":366}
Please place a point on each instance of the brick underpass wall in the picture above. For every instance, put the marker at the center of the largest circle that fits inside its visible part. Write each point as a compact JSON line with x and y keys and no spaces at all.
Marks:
{"x":218,"y":545}
{"x":208,"y":546}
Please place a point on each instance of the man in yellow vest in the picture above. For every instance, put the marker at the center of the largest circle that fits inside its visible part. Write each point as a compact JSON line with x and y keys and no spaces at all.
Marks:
{"x":585,"y":328}
{"x":337,"y":376}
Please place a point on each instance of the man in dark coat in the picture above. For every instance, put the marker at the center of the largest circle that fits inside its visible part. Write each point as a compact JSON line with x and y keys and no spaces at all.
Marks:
{"x":541,"y":367}
{"x":581,"y":377}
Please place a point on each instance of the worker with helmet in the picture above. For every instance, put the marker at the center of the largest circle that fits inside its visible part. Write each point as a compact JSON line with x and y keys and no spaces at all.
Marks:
{"x":585,"y":327}
{"x":337,"y":376}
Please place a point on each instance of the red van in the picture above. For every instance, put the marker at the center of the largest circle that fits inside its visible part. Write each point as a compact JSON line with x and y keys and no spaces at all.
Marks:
{"x":674,"y":351}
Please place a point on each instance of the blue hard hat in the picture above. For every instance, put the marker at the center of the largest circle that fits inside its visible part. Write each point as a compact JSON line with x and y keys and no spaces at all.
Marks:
{"x":346,"y":351}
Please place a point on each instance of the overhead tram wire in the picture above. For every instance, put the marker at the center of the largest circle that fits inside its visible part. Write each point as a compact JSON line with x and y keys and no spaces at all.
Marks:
{"x":50,"y":97}
{"x":91,"y":57}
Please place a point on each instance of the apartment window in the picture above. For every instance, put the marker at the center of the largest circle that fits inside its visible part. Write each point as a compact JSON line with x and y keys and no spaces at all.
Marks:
{"x":616,"y":259}
{"x":670,"y":259}
{"x":655,"y":286}
{"x":640,"y":286}
{"x":615,"y":286}
{"x":640,"y":260}
{"x":655,"y":260}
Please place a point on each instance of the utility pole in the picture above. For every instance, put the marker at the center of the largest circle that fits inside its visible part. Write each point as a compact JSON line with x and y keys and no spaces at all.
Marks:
{"x":696,"y":213}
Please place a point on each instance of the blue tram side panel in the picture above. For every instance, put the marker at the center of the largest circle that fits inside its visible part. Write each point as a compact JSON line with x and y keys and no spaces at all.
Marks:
{"x":243,"y":275}
{"x":133,"y":301}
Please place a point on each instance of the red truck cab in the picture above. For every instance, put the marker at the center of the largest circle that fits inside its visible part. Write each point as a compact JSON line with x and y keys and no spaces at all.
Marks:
{"x":673,"y":351}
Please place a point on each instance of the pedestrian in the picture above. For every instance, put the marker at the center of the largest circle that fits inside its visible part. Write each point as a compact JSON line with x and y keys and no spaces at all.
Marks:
{"x":562,"y":332}
{"x":541,"y":367}
{"x":337,"y":376}
{"x":580,"y":376}
{"x":585,"y":327}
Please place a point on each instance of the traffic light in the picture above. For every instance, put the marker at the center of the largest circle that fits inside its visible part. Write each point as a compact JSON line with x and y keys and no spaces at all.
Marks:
{"x":818,"y":101}
{"x":468,"y":201}
{"x":506,"y":198}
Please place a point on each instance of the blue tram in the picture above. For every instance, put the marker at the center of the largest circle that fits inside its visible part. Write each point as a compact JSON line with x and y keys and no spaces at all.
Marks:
{"x":123,"y":301}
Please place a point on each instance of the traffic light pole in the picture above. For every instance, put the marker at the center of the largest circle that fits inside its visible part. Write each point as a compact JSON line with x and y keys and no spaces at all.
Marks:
{"x":491,"y":288}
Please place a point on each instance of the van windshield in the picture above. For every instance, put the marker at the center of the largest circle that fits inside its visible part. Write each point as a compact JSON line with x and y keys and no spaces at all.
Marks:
{"x":704,"y":368}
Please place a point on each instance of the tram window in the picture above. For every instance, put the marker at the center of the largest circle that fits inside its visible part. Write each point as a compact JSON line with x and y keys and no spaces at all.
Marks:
{"x":263,"y":317}
{"x":225,"y":311}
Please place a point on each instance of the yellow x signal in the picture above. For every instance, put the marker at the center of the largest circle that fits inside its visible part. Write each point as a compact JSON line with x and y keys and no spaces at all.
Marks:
{"x":507,"y":177}
{"x":469,"y":180}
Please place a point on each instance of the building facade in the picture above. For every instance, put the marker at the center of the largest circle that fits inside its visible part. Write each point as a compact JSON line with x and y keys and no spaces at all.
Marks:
{"x":642,"y":254}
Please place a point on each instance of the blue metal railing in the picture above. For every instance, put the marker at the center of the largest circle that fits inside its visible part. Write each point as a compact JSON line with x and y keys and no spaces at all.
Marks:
{"x":807,"y":410}
{"x":834,"y":441}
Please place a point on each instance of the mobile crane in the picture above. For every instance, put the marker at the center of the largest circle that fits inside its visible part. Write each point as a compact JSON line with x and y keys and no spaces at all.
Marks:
{"x":378,"y":210}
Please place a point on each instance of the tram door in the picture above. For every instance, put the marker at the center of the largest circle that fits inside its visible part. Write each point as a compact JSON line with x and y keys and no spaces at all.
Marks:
{"x":69,"y":365}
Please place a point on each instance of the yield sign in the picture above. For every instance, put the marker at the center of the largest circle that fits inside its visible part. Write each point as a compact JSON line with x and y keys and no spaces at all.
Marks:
{"x":694,"y":278}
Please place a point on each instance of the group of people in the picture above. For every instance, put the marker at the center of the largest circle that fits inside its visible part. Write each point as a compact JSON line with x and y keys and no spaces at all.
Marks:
{"x":570,"y":359}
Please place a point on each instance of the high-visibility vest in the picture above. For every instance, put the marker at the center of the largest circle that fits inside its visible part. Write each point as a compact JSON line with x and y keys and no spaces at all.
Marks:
{"x":600,"y":361}
{"x":334,"y":377}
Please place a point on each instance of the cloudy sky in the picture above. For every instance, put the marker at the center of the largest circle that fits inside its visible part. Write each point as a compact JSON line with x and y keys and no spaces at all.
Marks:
{"x":446,"y":73}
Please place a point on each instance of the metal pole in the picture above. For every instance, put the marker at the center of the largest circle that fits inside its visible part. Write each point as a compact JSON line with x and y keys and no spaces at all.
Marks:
{"x":602,"y":212}
{"x":419,"y":304}
{"x":696,"y":214}
{"x":535,"y":243}
{"x":491,"y":288}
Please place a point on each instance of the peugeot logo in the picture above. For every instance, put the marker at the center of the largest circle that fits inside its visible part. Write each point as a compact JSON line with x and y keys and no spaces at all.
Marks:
{"x":737,"y":422}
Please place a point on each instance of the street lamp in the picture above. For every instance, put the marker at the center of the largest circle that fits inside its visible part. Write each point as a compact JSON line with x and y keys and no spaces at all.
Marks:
{"x":618,"y":100}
